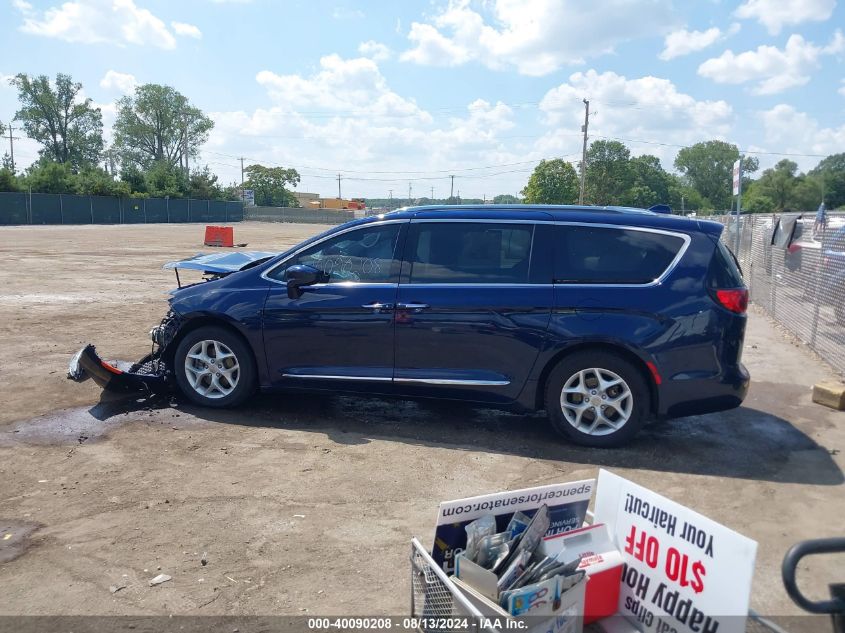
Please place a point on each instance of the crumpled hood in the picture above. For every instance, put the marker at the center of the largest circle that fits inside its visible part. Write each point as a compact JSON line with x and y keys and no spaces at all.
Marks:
{"x":221,"y":263}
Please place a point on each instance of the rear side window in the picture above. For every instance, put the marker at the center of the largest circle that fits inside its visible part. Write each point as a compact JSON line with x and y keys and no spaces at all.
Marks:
{"x":723,"y":271}
{"x":470,"y":252}
{"x":603,"y":255}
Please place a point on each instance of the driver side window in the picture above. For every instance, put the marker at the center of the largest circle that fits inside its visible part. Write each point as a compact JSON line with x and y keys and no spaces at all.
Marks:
{"x":365,"y":255}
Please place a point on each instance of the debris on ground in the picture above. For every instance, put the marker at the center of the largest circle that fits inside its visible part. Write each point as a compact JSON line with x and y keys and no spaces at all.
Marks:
{"x":116,"y":588}
{"x":204,"y":559}
{"x":160,"y":579}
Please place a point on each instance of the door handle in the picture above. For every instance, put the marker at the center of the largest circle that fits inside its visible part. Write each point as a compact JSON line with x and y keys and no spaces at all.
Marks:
{"x":378,"y":306}
{"x":412,"y":306}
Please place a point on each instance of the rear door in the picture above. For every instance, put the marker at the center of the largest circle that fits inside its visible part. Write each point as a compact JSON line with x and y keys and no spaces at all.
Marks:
{"x":473,"y":306}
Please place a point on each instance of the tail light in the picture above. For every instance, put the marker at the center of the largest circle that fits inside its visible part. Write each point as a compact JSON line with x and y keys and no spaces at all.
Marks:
{"x":734,"y":299}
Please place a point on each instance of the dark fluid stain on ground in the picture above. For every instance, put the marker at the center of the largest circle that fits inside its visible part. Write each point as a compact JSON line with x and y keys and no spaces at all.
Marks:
{"x":14,"y":538}
{"x":755,"y":441}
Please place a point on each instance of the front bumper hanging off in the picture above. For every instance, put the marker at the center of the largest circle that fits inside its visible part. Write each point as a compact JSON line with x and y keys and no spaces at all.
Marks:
{"x":147,"y":375}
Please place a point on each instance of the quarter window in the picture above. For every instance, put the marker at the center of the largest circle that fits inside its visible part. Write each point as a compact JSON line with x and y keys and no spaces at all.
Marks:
{"x":470,"y":252}
{"x":366,"y":255}
{"x":599,"y":255}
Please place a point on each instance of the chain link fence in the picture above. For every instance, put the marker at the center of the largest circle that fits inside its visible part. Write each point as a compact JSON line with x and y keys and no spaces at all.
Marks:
{"x":299,"y":215}
{"x":49,"y":208}
{"x":800,"y":285}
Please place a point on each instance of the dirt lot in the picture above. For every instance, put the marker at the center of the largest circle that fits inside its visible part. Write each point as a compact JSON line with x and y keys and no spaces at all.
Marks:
{"x":303,"y":503}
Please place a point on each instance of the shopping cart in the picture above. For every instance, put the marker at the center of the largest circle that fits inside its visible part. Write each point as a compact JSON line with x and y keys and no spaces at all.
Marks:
{"x":436,"y":601}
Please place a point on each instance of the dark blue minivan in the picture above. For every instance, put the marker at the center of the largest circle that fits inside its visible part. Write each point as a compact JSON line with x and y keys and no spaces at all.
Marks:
{"x":604,"y":317}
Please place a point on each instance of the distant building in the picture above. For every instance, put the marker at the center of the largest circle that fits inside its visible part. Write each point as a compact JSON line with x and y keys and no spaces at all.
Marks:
{"x":304,"y":198}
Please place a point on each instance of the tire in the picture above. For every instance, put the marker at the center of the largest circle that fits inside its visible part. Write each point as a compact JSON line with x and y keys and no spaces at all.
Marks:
{"x":623,"y":415}
{"x":214,"y":384}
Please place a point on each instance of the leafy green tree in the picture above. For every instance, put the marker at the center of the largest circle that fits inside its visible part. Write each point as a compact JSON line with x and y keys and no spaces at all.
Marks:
{"x":552,"y":182}
{"x":608,"y":175}
{"x":152,"y":126}
{"x":778,"y":183}
{"x":755,"y":201}
{"x":203,"y":185}
{"x":650,"y":183}
{"x":8,"y":180}
{"x":506,"y":198}
{"x":831,"y":171}
{"x":808,"y":192}
{"x":46,"y":176}
{"x":708,"y":168}
{"x":134,"y":177}
{"x":69,"y":128}
{"x":95,"y":181}
{"x":165,"y":180}
{"x":270,"y":185}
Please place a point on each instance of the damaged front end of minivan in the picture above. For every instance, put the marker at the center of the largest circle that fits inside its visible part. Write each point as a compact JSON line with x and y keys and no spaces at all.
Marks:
{"x":152,"y":374}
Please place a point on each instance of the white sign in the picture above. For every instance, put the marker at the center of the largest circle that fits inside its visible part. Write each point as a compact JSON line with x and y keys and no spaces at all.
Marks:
{"x":248,"y":197}
{"x":683,"y":572}
{"x":567,"y":508}
{"x":737,"y":172}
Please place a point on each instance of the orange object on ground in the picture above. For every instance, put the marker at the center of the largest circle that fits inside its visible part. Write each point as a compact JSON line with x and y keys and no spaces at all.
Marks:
{"x":219,"y":236}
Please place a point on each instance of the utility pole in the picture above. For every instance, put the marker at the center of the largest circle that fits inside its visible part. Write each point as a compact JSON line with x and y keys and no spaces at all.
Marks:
{"x":12,"y":140}
{"x":338,"y":188}
{"x":243,"y":195}
{"x":410,"y":200}
{"x":452,"y":190}
{"x":584,"y":150}
{"x":432,"y":194}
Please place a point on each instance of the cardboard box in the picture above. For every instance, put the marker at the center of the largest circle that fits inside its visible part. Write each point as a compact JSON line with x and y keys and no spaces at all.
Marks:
{"x":600,"y":560}
{"x":565,"y":618}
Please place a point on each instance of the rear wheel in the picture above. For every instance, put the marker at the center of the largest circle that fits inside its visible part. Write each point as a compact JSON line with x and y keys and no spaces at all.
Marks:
{"x":214,"y":367}
{"x":597,"y":399}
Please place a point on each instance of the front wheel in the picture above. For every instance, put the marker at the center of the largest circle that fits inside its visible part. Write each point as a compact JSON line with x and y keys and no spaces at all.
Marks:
{"x":214,"y":367}
{"x":597,"y":399}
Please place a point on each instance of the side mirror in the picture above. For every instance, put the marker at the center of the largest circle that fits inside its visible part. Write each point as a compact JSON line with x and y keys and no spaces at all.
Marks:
{"x":301,"y":276}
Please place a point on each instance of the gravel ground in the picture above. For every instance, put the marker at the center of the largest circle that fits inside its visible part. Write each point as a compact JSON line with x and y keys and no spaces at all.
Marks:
{"x":304,"y":504}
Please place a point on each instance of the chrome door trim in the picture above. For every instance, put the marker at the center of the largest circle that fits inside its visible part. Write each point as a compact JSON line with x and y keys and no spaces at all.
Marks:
{"x":330,"y":377}
{"x":450,"y":381}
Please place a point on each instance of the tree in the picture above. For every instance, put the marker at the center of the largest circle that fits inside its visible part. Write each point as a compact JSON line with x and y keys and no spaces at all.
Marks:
{"x":8,"y":181}
{"x":552,"y":182}
{"x":708,"y":168}
{"x":506,"y":198}
{"x":95,"y":181}
{"x":165,"y":180}
{"x":155,"y":124}
{"x":203,"y":185}
{"x":47,"y":176}
{"x":69,"y":128}
{"x":650,"y":183}
{"x":778,"y":184}
{"x":831,"y":171}
{"x":270,"y":185}
{"x":608,"y":175}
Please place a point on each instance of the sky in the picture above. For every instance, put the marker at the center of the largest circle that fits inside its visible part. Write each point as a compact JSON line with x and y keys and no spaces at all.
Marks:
{"x":392,"y":95}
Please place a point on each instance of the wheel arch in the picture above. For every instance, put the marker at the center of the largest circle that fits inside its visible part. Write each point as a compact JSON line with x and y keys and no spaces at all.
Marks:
{"x":204,"y":320}
{"x":620,"y":350}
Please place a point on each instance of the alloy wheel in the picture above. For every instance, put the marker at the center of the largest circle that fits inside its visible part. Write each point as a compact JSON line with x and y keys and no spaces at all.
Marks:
{"x":596,"y":401}
{"x":212,"y":369}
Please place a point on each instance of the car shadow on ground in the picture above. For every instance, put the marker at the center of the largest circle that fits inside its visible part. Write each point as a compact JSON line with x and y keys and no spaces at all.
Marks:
{"x":744,"y":443}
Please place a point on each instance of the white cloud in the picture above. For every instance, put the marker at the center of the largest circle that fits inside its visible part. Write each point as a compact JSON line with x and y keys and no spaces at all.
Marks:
{"x":374,"y":50}
{"x":774,"y":69}
{"x":345,"y":115}
{"x":186,"y":30}
{"x":790,"y":131}
{"x":644,"y":109}
{"x":98,"y":21}
{"x":683,"y":42}
{"x":534,"y":36}
{"x":775,"y":14}
{"x":842,"y":89}
{"x":123,"y":82}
